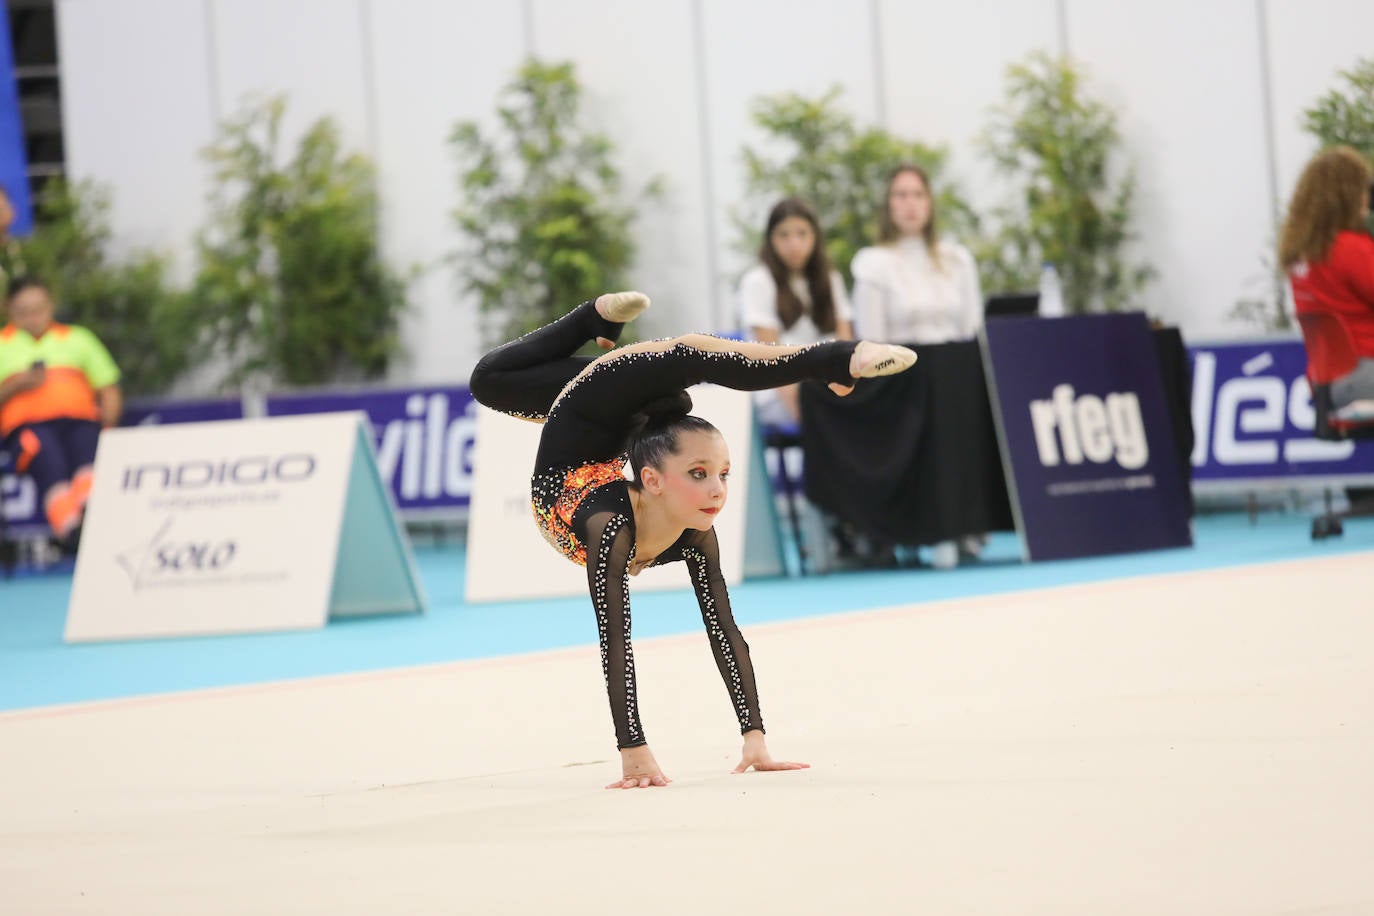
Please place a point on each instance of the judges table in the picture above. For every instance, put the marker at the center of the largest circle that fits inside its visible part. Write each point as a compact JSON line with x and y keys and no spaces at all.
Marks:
{"x":913,"y":458}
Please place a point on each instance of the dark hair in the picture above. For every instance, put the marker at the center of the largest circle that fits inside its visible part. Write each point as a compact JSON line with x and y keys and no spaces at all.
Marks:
{"x":887,"y":229}
{"x":816,"y":270}
{"x":19,"y":284}
{"x":655,"y":429}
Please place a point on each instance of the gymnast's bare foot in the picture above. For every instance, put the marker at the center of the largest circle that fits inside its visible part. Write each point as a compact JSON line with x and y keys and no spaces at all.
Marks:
{"x":874,"y":360}
{"x":621,"y":308}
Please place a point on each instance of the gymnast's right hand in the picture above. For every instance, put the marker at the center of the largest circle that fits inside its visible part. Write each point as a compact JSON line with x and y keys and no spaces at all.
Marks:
{"x":639,"y":769}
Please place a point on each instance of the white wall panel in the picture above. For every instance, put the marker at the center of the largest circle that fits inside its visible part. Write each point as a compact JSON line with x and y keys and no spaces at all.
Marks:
{"x":435,"y":62}
{"x":1185,"y":79}
{"x":944,"y":69}
{"x":310,"y":50}
{"x":145,"y":80}
{"x":137,"y":108}
{"x":1310,"y":41}
{"x":635,"y":61}
{"x":764,"y":47}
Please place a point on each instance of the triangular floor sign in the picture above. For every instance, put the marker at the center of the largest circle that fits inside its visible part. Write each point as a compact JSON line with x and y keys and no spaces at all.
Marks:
{"x":238,"y":526}
{"x":374,"y":570}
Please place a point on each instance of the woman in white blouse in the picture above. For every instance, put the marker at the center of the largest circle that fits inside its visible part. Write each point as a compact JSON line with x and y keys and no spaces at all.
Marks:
{"x":914,"y":287}
{"x":792,"y":296}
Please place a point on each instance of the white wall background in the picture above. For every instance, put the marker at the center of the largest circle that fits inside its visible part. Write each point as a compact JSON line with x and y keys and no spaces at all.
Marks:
{"x":1209,"y":93}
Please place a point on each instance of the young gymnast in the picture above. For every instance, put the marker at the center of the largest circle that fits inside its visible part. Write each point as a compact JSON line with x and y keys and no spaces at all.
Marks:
{"x":631,"y":405}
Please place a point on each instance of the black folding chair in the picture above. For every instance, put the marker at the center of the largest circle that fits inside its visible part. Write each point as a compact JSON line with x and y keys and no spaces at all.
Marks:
{"x":1330,"y":356}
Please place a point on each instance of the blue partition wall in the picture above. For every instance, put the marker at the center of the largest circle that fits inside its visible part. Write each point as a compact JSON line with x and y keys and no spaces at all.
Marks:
{"x":14,"y":171}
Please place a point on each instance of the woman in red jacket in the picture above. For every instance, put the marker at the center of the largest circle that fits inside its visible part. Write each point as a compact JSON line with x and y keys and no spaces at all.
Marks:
{"x":1329,"y":256}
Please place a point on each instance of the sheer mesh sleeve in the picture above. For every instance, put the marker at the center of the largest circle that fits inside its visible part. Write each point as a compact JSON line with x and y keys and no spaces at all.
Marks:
{"x":610,"y":540}
{"x":701,"y":552}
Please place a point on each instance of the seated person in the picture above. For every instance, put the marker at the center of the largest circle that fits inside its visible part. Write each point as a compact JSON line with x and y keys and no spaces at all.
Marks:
{"x":1329,"y":256}
{"x":792,"y":297}
{"x":58,"y":389}
{"x":916,"y":287}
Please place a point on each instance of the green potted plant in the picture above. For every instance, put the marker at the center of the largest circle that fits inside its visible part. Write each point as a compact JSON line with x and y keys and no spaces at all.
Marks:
{"x":543,"y":215}
{"x":1345,"y":115}
{"x":1074,"y":200}
{"x":292,"y":284}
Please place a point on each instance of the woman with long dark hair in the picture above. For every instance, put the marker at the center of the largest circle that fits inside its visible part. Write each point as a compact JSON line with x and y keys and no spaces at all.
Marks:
{"x":792,"y":296}
{"x":631,"y":405}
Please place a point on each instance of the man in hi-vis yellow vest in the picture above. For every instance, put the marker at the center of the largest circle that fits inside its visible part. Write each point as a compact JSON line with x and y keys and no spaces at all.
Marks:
{"x":58,"y":389}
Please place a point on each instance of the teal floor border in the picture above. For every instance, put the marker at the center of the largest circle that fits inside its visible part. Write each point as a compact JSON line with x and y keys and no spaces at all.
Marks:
{"x":38,"y":669}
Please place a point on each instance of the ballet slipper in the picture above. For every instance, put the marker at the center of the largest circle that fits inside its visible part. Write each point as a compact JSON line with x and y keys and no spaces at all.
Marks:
{"x":605,"y":343}
{"x":843,"y":391}
{"x":873,"y":360}
{"x":621,"y":307}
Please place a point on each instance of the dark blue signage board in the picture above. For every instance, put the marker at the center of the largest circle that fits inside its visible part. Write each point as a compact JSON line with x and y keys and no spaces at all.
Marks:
{"x":1253,"y":418}
{"x":1084,"y":429}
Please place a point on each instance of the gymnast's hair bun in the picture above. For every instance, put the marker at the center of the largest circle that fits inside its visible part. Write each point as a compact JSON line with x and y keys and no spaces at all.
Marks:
{"x":664,"y":411}
{"x":654,"y":432}
{"x":660,"y":414}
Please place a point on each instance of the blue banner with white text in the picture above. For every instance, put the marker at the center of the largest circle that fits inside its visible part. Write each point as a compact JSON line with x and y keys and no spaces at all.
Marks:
{"x":1085,"y":435}
{"x":1253,"y":419}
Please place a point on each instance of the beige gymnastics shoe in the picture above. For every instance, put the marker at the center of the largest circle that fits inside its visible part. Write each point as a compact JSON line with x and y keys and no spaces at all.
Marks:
{"x":873,"y":360}
{"x":621,"y":307}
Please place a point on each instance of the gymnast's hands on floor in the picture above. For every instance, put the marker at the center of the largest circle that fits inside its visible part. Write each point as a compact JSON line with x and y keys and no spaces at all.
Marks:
{"x":756,"y":755}
{"x":640,"y":771}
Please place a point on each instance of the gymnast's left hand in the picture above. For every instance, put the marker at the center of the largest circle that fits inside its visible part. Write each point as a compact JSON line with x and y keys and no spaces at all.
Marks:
{"x":756,"y":755}
{"x":639,"y":769}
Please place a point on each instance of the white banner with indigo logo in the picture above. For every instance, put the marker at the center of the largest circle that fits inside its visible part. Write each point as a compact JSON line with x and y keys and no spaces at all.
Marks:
{"x":234,"y":527}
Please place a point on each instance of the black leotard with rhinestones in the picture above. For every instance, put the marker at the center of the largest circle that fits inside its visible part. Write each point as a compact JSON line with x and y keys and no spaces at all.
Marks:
{"x":580,"y":495}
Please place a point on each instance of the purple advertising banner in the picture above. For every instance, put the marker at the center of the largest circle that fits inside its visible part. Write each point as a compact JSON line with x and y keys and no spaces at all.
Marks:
{"x":423,"y":438}
{"x":150,"y":413}
{"x":1085,"y":433}
{"x":1253,"y":418}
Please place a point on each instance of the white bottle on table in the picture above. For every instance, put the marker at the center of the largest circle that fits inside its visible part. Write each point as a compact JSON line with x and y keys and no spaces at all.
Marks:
{"x":1051,"y":292}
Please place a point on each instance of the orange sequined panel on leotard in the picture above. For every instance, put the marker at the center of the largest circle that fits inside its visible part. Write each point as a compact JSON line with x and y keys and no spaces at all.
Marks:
{"x":557,"y":496}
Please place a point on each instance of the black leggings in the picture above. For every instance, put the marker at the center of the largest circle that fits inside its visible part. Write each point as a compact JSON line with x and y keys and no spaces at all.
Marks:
{"x":588,"y":404}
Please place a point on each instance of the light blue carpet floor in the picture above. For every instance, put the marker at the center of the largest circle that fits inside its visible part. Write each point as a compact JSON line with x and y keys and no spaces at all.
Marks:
{"x":37,"y":668}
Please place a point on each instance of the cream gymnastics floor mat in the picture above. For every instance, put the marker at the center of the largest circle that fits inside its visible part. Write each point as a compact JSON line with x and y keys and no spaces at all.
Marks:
{"x":1189,"y":743}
